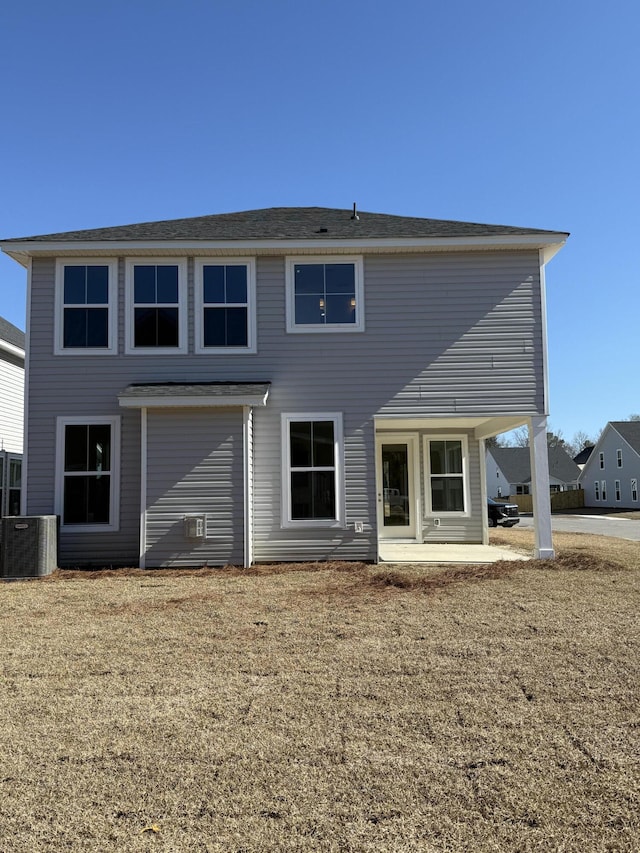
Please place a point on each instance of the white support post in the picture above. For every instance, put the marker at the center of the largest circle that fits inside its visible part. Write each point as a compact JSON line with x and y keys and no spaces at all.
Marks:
{"x":483,"y":485}
{"x":247,"y":457}
{"x":143,"y":488}
{"x":540,"y":486}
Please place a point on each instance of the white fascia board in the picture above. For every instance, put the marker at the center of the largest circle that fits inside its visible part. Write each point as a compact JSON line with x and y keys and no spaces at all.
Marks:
{"x":483,"y":425}
{"x":551,"y":243}
{"x":198,"y":402}
{"x":12,"y":349}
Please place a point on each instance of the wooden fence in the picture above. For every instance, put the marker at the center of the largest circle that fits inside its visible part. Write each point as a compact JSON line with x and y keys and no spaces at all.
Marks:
{"x":559,"y":501}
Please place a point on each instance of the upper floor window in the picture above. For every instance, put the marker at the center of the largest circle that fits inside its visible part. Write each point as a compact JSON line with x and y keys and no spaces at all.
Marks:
{"x":86,"y":307}
{"x":619,"y":458}
{"x":447,"y":487}
{"x":325,"y":294}
{"x":312,"y":462}
{"x":225,"y":305}
{"x":601,"y":459}
{"x":156,"y":316}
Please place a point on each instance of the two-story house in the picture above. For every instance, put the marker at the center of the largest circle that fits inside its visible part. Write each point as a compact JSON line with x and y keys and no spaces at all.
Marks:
{"x":611,"y":474}
{"x":279,"y":384}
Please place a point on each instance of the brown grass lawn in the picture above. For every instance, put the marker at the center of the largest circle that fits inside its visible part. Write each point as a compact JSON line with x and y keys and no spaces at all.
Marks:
{"x":335,"y":708}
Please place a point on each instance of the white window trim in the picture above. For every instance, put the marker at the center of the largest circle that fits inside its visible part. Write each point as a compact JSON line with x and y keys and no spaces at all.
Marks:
{"x":322,"y":328}
{"x":114,"y":497}
{"x":429,"y":511}
{"x":596,"y":490}
{"x":603,"y":489}
{"x":338,"y":450}
{"x":619,"y":458}
{"x":129,"y":324}
{"x":601,"y":460}
{"x":111,"y":306}
{"x":252,"y":343}
{"x":616,"y":489}
{"x":634,"y":489}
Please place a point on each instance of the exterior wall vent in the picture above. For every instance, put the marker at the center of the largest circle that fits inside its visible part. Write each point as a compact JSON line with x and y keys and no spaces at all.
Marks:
{"x":194,"y":526}
{"x":29,"y":546}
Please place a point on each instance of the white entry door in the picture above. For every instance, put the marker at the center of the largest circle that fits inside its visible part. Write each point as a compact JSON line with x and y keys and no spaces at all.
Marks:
{"x":396,"y":483}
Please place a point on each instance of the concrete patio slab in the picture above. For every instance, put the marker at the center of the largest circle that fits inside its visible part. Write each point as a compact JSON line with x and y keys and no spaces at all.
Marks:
{"x":410,"y":552}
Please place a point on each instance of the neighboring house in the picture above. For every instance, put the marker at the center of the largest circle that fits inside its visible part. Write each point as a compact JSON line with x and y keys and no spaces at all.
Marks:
{"x":509,"y":471}
{"x":280,"y":384}
{"x":11,"y":416}
{"x":581,"y":458}
{"x":611,"y":475}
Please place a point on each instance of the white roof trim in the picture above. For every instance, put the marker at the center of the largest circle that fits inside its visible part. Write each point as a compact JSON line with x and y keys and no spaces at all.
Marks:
{"x":191,"y":402}
{"x":551,"y":243}
{"x":12,"y":348}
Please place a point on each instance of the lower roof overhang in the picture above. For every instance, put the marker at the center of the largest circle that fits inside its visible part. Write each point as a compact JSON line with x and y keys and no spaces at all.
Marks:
{"x":156,"y":395}
{"x":483,"y":426}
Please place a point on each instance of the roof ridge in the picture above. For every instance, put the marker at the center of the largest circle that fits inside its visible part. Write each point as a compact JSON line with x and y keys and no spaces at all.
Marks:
{"x":282,"y":223}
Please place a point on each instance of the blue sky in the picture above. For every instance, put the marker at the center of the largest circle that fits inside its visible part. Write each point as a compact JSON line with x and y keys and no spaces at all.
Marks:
{"x":513,"y":113}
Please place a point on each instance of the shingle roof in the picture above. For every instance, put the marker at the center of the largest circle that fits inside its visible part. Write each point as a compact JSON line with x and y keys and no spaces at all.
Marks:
{"x":630,"y":431}
{"x":194,"y":393}
{"x":515,"y":464}
{"x":11,"y":334}
{"x":286,"y":223}
{"x":194,"y":389}
{"x":582,"y":457}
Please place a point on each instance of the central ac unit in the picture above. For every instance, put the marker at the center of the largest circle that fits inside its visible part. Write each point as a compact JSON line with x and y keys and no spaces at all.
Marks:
{"x":29,"y":546}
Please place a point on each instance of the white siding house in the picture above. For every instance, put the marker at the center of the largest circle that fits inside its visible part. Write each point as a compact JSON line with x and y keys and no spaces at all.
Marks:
{"x":11,"y":387}
{"x":11,"y":416}
{"x":280,"y":384}
{"x":611,"y":475}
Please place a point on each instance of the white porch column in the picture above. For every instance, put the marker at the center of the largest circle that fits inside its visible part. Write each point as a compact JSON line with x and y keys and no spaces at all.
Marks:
{"x":540,"y":487}
{"x":247,"y":461}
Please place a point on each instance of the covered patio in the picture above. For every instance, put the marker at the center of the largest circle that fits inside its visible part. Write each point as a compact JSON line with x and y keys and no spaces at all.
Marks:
{"x":412,"y":552}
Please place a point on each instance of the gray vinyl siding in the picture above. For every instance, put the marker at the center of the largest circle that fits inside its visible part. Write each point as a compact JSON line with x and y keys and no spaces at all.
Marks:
{"x":445,"y":334}
{"x":11,"y":402}
{"x":200,"y":476}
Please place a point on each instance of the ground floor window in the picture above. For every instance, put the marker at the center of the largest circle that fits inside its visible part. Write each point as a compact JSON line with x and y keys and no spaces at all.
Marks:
{"x":634,"y":489}
{"x":312,"y":457}
{"x":447,"y":489}
{"x":596,"y":490}
{"x":10,"y":483}
{"x":15,"y":485}
{"x":617,"y":489}
{"x":603,"y":489}
{"x":87,"y":473}
{"x":522,"y":490}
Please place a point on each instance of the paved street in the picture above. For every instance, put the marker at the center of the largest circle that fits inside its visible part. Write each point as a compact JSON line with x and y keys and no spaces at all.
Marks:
{"x":620,"y":528}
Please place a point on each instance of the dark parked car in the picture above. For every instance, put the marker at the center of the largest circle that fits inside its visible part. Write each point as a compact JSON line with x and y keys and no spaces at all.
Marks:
{"x":505,"y":514}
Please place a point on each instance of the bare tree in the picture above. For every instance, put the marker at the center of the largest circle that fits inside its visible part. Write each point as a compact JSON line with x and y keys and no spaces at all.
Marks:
{"x":556,"y":439}
{"x":520,"y":437}
{"x":579,"y":441}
